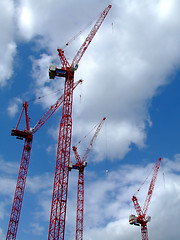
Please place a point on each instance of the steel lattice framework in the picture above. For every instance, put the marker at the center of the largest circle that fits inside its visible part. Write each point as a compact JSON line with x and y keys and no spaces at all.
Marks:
{"x":80,"y":205}
{"x":59,"y":198}
{"x":27,"y":134}
{"x":80,"y":165}
{"x":20,"y":186}
{"x":21,"y":181}
{"x":60,"y":188}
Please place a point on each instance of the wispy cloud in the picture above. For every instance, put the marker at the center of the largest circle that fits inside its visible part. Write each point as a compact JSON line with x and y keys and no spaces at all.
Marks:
{"x":13,"y":107}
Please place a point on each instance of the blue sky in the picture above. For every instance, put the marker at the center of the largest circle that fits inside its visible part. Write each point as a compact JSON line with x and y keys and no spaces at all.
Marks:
{"x":131,"y":76}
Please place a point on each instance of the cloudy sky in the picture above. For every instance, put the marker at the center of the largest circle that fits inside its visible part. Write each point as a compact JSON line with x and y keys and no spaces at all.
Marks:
{"x":130,"y":75}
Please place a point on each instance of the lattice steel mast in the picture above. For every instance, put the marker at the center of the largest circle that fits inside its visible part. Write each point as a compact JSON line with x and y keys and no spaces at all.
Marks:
{"x":80,"y":165}
{"x":60,"y":188}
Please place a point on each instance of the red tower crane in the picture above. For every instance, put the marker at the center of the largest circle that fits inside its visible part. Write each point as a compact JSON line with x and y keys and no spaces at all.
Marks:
{"x":141,"y":218}
{"x":60,"y":188}
{"x":80,"y":165}
{"x":27,"y":134}
{"x":20,"y":186}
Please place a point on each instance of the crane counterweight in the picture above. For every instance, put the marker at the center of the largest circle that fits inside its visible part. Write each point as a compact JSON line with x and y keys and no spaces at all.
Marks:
{"x":20,"y":134}
{"x":54,"y":71}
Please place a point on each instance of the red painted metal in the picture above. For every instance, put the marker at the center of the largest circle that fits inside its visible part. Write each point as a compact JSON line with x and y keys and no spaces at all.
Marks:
{"x":19,"y":192}
{"x":25,"y":107}
{"x":137,"y":206}
{"x":141,"y":214}
{"x":151,"y":187}
{"x":90,"y":36}
{"x":59,"y":198}
{"x":60,"y":188}
{"x":52,"y":109}
{"x":20,"y":186}
{"x":80,"y":205}
{"x":80,"y":165}
{"x":93,"y":140}
{"x":144,"y":231}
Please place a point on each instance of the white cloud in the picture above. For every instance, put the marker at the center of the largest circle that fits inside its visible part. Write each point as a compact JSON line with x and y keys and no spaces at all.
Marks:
{"x":7,"y":185}
{"x":130,"y":58}
{"x":47,"y":91}
{"x":2,"y":236}
{"x":165,"y":8}
{"x":8,"y":167}
{"x":13,"y":107}
{"x":8,"y":45}
{"x":7,"y":182}
{"x":108,"y":203}
{"x":26,"y":21}
{"x":57,"y":21}
{"x":123,"y":69}
{"x":34,"y":184}
{"x":3,"y":213}
{"x":37,"y":229}
{"x":8,"y":178}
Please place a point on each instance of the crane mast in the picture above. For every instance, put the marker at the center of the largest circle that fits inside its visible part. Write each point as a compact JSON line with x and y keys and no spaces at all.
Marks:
{"x":141,"y":218}
{"x":60,"y":188}
{"x":80,"y":205}
{"x":59,"y":198}
{"x":21,"y":181}
{"x":20,"y":186}
{"x":80,"y":165}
